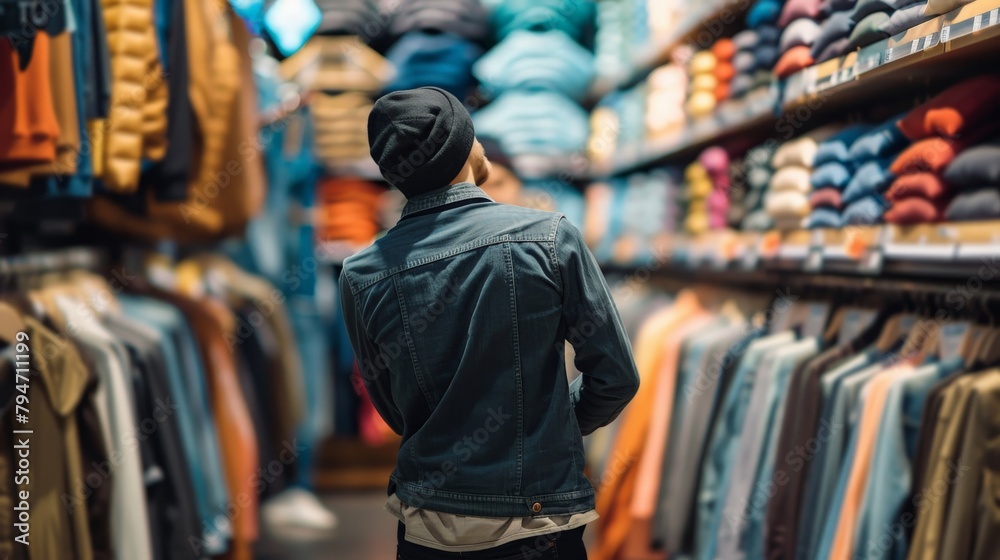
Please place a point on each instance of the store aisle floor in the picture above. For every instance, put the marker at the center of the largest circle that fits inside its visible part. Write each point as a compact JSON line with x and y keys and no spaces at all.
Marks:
{"x":365,"y":532}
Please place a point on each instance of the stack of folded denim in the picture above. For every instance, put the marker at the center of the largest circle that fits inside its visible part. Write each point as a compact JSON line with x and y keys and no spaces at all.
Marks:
{"x":756,"y":172}
{"x":443,"y":60}
{"x":832,"y":171}
{"x":435,"y":44}
{"x":665,"y":100}
{"x":943,"y":131}
{"x":799,"y":30}
{"x":535,"y":122}
{"x":701,"y":87}
{"x":535,"y":79}
{"x":787,"y":198}
{"x":870,"y":157}
{"x":536,"y":61}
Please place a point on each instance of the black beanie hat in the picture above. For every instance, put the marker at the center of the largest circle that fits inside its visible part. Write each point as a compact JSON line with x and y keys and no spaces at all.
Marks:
{"x":420,"y":138}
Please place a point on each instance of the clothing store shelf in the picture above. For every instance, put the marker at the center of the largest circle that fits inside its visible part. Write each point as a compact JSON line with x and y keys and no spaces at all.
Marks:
{"x":882,"y":72}
{"x":945,"y":49}
{"x":700,"y":25}
{"x":962,"y":251}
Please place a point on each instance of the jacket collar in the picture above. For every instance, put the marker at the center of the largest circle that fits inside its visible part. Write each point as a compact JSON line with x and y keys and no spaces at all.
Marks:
{"x":440,"y":197}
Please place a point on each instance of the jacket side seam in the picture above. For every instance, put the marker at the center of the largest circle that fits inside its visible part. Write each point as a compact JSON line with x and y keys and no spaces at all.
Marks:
{"x":410,"y":346}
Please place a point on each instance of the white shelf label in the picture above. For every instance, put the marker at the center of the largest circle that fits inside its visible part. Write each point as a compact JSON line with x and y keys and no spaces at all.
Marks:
{"x":994,"y":15}
{"x":977,"y":23}
{"x":888,"y":54}
{"x":914,"y":46}
{"x":945,"y":33}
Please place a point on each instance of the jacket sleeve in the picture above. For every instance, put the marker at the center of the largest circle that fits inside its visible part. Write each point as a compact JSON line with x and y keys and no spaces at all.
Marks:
{"x":609,"y":377}
{"x":372,"y":363}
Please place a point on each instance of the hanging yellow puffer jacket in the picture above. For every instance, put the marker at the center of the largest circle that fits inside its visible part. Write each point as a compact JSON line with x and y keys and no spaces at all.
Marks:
{"x":136,"y":126}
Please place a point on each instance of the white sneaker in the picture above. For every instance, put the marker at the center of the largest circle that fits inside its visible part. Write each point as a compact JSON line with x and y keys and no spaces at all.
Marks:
{"x":299,"y":508}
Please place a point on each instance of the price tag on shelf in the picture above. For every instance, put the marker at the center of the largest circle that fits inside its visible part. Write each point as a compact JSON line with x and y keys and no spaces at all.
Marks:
{"x":945,"y":33}
{"x":769,"y":245}
{"x":814,"y":262}
{"x":977,"y":23}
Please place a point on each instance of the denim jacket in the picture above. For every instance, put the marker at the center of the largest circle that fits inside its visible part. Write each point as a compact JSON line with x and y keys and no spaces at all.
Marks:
{"x":459,"y":317}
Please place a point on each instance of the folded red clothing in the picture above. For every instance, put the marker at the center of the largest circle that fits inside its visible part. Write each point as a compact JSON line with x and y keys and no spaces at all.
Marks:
{"x":954,"y":111}
{"x":920,"y":185}
{"x":915,"y":210}
{"x":794,"y":59}
{"x":828,"y":197}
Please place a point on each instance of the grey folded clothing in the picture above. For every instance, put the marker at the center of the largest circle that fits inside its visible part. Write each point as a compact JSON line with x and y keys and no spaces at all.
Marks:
{"x":976,"y":204}
{"x":465,"y":18}
{"x":840,"y":47}
{"x":864,"y":8}
{"x":978,"y":165}
{"x":837,"y":26}
{"x":905,"y":18}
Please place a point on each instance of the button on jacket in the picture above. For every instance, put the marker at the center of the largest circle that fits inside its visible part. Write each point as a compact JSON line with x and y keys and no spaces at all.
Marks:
{"x":459,"y":317}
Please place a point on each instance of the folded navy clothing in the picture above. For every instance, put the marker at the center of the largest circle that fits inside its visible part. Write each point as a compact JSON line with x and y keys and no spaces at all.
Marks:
{"x":837,"y":147}
{"x":837,"y":26}
{"x":768,"y":35}
{"x":866,"y":211}
{"x":442,"y":60}
{"x":764,"y":12}
{"x":765,"y":57}
{"x":833,"y":174}
{"x":882,"y":141}
{"x":532,"y":60}
{"x":541,"y":122}
{"x":824,"y":218}
{"x":465,"y":18}
{"x":573,"y":17}
{"x":906,"y":17}
{"x":978,"y":165}
{"x":873,"y":177}
{"x":982,"y":203}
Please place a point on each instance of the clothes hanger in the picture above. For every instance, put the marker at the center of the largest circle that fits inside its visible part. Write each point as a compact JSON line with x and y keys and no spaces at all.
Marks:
{"x":11,"y":324}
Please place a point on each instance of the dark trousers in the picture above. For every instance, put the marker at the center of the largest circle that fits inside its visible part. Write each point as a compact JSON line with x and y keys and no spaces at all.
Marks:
{"x":564,"y":545}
